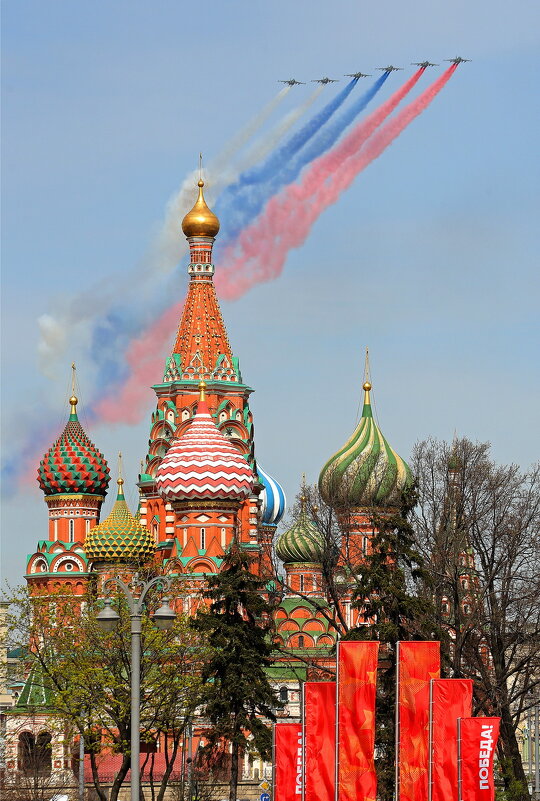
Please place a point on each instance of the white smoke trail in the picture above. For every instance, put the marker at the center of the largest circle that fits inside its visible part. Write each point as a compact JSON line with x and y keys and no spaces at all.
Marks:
{"x":69,"y":325}
{"x":266,"y":144}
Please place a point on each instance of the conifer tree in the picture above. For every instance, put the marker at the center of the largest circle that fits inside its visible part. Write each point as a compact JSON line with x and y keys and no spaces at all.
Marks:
{"x":238,"y":626}
{"x":392,"y":610}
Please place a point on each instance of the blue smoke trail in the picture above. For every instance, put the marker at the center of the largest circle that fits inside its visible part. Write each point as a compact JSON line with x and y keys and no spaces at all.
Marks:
{"x":248,"y":201}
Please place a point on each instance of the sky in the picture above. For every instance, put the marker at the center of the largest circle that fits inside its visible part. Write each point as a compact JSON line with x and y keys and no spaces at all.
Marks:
{"x":429,"y":259}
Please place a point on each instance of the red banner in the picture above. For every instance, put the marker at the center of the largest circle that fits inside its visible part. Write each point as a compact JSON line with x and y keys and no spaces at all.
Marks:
{"x":417,"y":664}
{"x":356,"y":680}
{"x":288,"y":761}
{"x":319,"y":740}
{"x":450,"y":699}
{"x":477,"y":740}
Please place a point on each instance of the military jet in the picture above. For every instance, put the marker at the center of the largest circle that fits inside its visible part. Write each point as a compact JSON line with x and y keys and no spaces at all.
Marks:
{"x":293,"y":82}
{"x":424,"y":64}
{"x":457,"y":59}
{"x":324,"y":81}
{"x":358,"y":75}
{"x":389,"y":68}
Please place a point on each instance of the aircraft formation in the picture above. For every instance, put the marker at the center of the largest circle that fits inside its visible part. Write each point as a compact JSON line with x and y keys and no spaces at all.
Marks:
{"x":357,"y":75}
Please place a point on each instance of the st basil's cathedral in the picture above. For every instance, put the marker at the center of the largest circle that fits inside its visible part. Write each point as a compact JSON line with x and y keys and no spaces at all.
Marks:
{"x":201,"y":485}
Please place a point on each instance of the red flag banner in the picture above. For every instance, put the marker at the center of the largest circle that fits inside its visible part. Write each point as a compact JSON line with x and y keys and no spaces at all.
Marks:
{"x":288,"y":761}
{"x":477,"y":740}
{"x":450,"y":699}
{"x":417,"y":664}
{"x":355,"y":746}
{"x":319,"y":740}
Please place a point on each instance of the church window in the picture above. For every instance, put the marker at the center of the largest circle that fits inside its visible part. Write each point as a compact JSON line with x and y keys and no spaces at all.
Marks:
{"x":223,"y":537}
{"x":222,"y":416}
{"x":301,"y":584}
{"x":203,"y":538}
{"x":69,"y":566}
{"x":71,"y":530}
{"x":185,"y":536}
{"x":284,"y":694}
{"x":300,"y":640}
{"x":185,"y":414}
{"x":444,"y":608}
{"x":465,"y":584}
{"x":314,"y":584}
{"x":170,"y":416}
{"x":364,"y":545}
{"x":87,"y":525}
{"x":238,"y":415}
{"x":56,"y":529}
{"x":155,"y":530}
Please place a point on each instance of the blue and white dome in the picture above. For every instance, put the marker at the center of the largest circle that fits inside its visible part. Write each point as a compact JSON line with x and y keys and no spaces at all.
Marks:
{"x":272,"y":497}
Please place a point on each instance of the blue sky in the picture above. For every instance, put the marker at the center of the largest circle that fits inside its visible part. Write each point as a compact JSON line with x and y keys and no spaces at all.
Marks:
{"x":430,"y":258}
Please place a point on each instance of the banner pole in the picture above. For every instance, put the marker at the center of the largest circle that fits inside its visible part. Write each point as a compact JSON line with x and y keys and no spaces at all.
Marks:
{"x":336,"y":788}
{"x":397,"y":723}
{"x":430,"y":740}
{"x":273,"y":760}
{"x":459,"y":765}
{"x":303,"y":722}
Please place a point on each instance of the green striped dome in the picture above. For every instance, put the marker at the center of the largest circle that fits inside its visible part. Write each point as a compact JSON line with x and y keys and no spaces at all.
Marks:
{"x":366,"y":472}
{"x":303,"y":542}
{"x":120,"y":537}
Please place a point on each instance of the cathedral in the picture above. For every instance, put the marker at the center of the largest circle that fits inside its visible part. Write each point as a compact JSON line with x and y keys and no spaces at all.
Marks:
{"x":201,"y":485}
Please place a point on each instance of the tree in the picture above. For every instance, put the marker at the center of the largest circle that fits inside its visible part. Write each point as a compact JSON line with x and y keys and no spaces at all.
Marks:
{"x":478,"y":525}
{"x":238,"y":695}
{"x":88,"y":675}
{"x":387,"y":593}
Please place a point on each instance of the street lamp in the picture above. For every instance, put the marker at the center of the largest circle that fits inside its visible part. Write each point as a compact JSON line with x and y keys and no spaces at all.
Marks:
{"x":107,"y":619}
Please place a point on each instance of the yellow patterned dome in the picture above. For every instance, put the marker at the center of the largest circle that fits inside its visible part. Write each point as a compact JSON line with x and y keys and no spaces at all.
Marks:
{"x":200,"y":221}
{"x":120,"y":537}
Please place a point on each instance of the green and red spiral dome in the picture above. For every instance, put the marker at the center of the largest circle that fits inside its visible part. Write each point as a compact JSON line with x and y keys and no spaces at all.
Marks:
{"x":73,"y":465}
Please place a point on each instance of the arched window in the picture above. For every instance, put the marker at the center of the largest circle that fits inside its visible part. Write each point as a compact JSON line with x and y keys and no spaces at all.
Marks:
{"x":223,"y":537}
{"x":284,"y":694}
{"x":71,"y":530}
{"x":155,"y":530}
{"x":87,"y":525}
{"x":56,"y":529}
{"x":300,"y":640}
{"x":301,"y":584}
{"x":203,"y":539}
{"x":444,"y":608}
{"x":34,"y":755}
{"x":465,"y":584}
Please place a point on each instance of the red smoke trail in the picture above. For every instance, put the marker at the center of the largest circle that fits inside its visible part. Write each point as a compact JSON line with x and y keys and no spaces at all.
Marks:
{"x":145,"y":359}
{"x":263,"y":247}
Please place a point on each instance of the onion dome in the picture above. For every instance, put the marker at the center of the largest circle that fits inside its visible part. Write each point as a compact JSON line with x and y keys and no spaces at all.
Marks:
{"x":73,"y":464}
{"x":203,"y":464}
{"x":366,"y":472}
{"x":273,"y":499}
{"x":303,"y":542}
{"x":200,"y":221}
{"x":120,"y":537}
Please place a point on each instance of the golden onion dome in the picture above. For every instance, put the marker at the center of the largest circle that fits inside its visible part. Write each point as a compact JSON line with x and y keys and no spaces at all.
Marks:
{"x":200,"y":221}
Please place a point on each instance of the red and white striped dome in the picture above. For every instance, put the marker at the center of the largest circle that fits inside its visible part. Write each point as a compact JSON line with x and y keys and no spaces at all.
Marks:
{"x":203,"y":464}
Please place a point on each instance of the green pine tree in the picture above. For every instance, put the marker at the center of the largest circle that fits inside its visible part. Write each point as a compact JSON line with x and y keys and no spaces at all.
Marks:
{"x":392,"y":610}
{"x":238,"y":625}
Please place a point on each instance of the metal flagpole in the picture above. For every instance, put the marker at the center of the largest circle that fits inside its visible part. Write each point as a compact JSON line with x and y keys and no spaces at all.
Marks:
{"x":460,"y":778}
{"x":530,"y":732}
{"x":536,"y":753}
{"x":430,"y":749}
{"x":336,"y":788}
{"x":273,"y":761}
{"x":397,"y":714}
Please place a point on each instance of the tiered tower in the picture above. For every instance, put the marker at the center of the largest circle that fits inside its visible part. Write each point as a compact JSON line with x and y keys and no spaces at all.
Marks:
{"x":201,"y":353}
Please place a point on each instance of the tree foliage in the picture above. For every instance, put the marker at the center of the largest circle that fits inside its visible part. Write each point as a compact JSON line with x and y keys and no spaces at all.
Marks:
{"x":478,"y":524}
{"x":238,"y":696}
{"x":88,"y":675}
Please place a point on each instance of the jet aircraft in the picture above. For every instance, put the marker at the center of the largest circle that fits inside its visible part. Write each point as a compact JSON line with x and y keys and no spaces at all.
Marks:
{"x":358,"y":75}
{"x":324,"y":80}
{"x":424,"y":64}
{"x":457,"y":59}
{"x":389,"y":68}
{"x":293,"y":82}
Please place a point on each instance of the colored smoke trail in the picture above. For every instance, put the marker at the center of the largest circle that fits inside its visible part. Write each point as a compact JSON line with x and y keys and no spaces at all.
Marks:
{"x":75,"y":323}
{"x":288,"y":218}
{"x":144,"y":358}
{"x":250,"y":202}
{"x":243,"y":200}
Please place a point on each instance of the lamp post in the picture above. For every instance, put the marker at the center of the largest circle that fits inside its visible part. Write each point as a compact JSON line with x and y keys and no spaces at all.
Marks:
{"x":107,"y":619}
